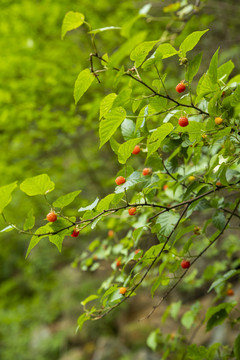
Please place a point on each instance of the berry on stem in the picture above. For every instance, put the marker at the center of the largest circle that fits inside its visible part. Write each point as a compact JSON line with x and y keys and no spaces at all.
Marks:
{"x":183,"y":121}
{"x":110,"y":233}
{"x":120,"y":180}
{"x":52,"y":216}
{"x":185,"y":264}
{"x":132,"y":211}
{"x":122,"y":290}
{"x":118,"y":262}
{"x":218,"y":120}
{"x":136,"y":150}
{"x":146,"y":171}
{"x":230,"y":292}
{"x":181,"y":87}
{"x":75,"y":233}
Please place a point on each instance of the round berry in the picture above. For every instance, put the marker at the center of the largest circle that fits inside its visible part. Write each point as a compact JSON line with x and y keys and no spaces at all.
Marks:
{"x":132,"y":211}
{"x":52,"y":216}
{"x":181,"y":87}
{"x":147,"y":171}
{"x":183,"y":121}
{"x":122,"y":290}
{"x":137,"y":251}
{"x":136,"y":150}
{"x":218,"y":183}
{"x":185,"y":264}
{"x":118,"y":263}
{"x":191,"y":178}
{"x":218,"y":120}
{"x":120,"y":180}
{"x":230,"y":292}
{"x":165,"y":187}
{"x":75,"y":233}
{"x":110,"y":233}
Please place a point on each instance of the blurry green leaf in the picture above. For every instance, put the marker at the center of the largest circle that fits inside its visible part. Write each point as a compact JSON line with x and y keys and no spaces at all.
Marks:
{"x":109,"y":125}
{"x":96,"y":31}
{"x":153,"y":339}
{"x":8,"y":228}
{"x":174,"y":310}
{"x":219,"y":220}
{"x":191,"y":41}
{"x":88,"y":299}
{"x":172,"y":7}
{"x":167,"y":221}
{"x":217,"y":314}
{"x":81,"y":320}
{"x":212,"y":71}
{"x":235,"y":97}
{"x":83,"y":82}
{"x":188,"y":319}
{"x":224,"y":278}
{"x":105,"y":202}
{"x":141,"y":51}
{"x":6,"y":195}
{"x":65,"y":200}
{"x":30,"y":221}
{"x":106,"y":104}
{"x":37,"y":185}
{"x":89,"y":207}
{"x":35,"y":239}
{"x":193,"y":67}
{"x":71,"y":21}
{"x":237,"y":347}
{"x":125,"y":149}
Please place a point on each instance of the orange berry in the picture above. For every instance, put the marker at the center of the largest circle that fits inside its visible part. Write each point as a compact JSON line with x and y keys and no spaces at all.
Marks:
{"x":132,"y":211}
{"x":52,"y":216}
{"x":180,"y":87}
{"x":137,"y":251}
{"x":122,"y":290}
{"x":218,"y":183}
{"x":183,"y":121}
{"x":136,"y":150}
{"x":185,"y":264}
{"x":146,"y":171}
{"x":120,"y":180}
{"x":118,"y":263}
{"x":230,"y":292}
{"x":218,"y":120}
{"x":75,"y":233}
{"x":110,"y":233}
{"x":165,"y":187}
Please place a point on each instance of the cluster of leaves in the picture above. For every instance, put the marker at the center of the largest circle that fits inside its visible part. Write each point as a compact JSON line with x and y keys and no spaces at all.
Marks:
{"x":194,"y":170}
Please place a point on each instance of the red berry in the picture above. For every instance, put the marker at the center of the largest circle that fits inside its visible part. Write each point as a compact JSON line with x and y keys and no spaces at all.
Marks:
{"x":75,"y":233}
{"x":52,"y":216}
{"x":230,"y":292}
{"x":165,"y":187}
{"x":136,"y":150}
{"x":118,"y":263}
{"x":122,"y":290}
{"x":218,"y":183}
{"x":180,"y":87}
{"x":137,"y":251}
{"x":185,"y":264}
{"x":183,"y":121}
{"x":132,"y":211}
{"x":110,"y":233}
{"x":120,"y":180}
{"x":146,"y":171}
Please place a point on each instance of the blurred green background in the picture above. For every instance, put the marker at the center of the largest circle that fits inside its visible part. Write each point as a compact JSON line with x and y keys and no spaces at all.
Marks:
{"x":42,"y":131}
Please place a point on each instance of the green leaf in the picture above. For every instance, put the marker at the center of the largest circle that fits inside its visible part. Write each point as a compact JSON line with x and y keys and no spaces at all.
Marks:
{"x":193,"y":67}
{"x":106,"y":104}
{"x":219,"y":220}
{"x":235,"y":97}
{"x":135,"y":178}
{"x":157,"y":136}
{"x":217,"y":314}
{"x":223,"y":278}
{"x":8,"y":228}
{"x":109,"y":125}
{"x":81,"y":320}
{"x":37,"y":185}
{"x":83,"y":82}
{"x":71,"y":21}
{"x":165,"y":51}
{"x":35,"y":239}
{"x":6,"y":195}
{"x":96,"y":31}
{"x":237,"y":347}
{"x":191,"y":41}
{"x":65,"y":200}
{"x":225,"y":70}
{"x":213,"y":67}
{"x":194,"y":129}
{"x":89,"y":207}
{"x":88,"y":299}
{"x":167,"y":221}
{"x":195,"y":352}
{"x":30,"y":221}
{"x":105,"y":202}
{"x":141,"y":51}
{"x":128,"y":129}
{"x":152,"y":340}
{"x":187,"y":319}
{"x":125,"y":149}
